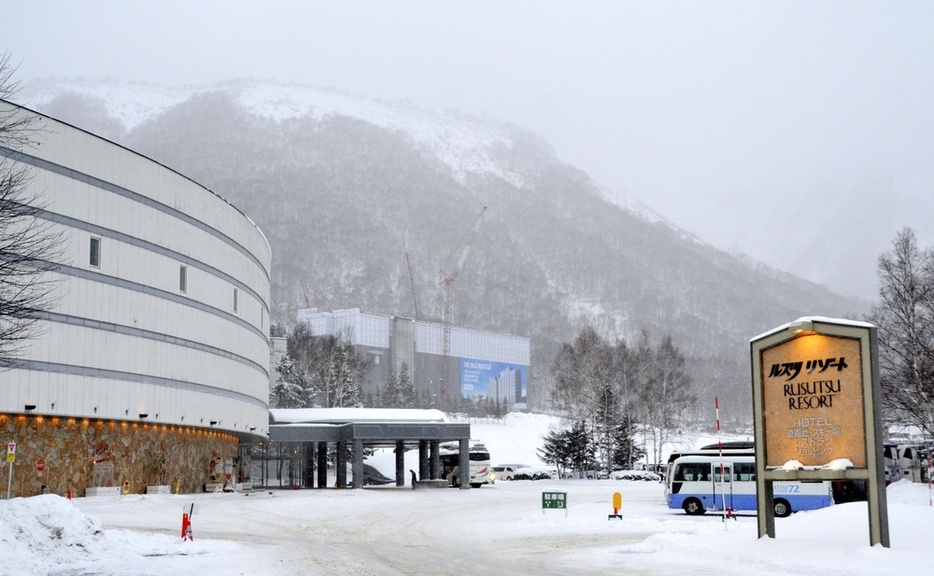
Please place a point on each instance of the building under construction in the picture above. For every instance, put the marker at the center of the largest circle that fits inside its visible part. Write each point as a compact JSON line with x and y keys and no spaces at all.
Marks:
{"x":480,"y":364}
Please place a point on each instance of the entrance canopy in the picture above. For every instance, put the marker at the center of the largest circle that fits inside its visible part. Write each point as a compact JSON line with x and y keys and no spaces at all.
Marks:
{"x":361,"y":428}
{"x":376,"y":427}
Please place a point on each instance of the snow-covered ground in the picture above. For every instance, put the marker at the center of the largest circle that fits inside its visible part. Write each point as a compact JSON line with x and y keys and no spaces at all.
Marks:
{"x":498,"y":529}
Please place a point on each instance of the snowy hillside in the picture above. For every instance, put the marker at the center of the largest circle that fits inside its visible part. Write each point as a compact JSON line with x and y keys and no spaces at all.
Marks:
{"x":373,"y":186}
{"x":464,"y":145}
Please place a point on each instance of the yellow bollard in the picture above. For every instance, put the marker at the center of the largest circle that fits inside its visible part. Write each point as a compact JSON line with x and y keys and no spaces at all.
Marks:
{"x":617,"y":505}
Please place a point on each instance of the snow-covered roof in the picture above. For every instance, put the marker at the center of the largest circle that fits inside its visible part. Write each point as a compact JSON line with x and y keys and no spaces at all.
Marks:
{"x":813,"y":319}
{"x":357,"y":415}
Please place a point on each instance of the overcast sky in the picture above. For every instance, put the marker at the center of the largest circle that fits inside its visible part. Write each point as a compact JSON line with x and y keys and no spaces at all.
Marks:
{"x":801,"y":133}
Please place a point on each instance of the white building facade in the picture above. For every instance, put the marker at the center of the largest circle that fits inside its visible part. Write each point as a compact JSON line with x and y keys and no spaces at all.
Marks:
{"x":160,"y":319}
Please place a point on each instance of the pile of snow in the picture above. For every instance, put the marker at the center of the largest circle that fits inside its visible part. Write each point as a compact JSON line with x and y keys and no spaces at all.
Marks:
{"x":49,"y":530}
{"x":48,"y":534}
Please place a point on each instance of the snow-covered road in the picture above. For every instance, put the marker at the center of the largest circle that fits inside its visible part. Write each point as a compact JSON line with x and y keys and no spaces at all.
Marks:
{"x":387,"y":530}
{"x":497,"y":529}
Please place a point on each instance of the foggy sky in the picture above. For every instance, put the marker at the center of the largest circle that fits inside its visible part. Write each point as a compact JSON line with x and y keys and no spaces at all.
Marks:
{"x":800,"y":133}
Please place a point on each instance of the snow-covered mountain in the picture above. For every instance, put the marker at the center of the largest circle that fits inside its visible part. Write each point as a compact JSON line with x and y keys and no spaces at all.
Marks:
{"x":349,"y":191}
{"x":467,"y":145}
{"x":463,"y":144}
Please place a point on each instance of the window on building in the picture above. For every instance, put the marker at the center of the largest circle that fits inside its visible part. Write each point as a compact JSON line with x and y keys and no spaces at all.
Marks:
{"x":183,"y":278}
{"x":236,"y":303}
{"x":95,"y":254}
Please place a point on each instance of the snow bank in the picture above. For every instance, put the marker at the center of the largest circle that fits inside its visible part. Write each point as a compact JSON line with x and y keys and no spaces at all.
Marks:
{"x":48,"y":534}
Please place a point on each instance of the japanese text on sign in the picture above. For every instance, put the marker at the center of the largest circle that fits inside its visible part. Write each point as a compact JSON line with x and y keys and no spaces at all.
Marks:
{"x":812,"y":400}
{"x":555,"y":500}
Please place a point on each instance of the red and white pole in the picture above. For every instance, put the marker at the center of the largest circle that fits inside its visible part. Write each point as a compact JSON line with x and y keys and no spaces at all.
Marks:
{"x":727,"y":512}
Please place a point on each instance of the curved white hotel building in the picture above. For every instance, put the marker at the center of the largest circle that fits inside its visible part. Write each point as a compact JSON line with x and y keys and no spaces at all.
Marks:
{"x":152,"y":365}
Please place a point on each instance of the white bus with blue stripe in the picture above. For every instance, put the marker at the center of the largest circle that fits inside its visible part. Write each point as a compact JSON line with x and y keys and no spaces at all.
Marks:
{"x":696,"y":485}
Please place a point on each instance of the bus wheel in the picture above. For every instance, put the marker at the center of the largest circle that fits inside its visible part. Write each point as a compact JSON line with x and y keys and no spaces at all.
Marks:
{"x":475,"y":484}
{"x":782,"y":508}
{"x":693,"y":507}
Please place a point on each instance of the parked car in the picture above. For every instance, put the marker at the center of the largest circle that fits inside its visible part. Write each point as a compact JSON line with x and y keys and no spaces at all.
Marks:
{"x":373,"y":477}
{"x":507,"y":471}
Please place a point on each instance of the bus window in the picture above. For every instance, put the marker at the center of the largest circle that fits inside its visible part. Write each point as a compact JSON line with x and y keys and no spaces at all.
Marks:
{"x":726,"y":473}
{"x":692,"y":472}
{"x":745,"y":471}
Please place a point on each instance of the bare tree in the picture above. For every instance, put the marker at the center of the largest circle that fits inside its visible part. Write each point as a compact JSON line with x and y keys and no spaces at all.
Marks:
{"x":905,"y":317}
{"x":29,"y":242}
{"x":591,"y":378}
{"x":665,"y":391}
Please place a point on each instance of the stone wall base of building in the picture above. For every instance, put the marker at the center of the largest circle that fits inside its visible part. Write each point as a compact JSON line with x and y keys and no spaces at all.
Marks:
{"x":58,"y":454}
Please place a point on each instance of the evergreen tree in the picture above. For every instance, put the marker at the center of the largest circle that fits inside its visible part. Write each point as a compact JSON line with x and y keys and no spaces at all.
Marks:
{"x":346,"y":391}
{"x":583,"y":450}
{"x":289,"y":389}
{"x":625,"y":451}
{"x":390,"y":394}
{"x":406,"y":391}
{"x":400,"y":390}
{"x":569,"y":449}
{"x":556,"y":451}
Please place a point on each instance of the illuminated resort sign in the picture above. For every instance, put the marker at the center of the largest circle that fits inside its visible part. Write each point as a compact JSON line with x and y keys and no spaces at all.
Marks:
{"x":812,"y":393}
{"x":815,"y":388}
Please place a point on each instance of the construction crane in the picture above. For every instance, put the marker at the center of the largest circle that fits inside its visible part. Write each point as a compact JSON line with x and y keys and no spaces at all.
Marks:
{"x":304,"y":293}
{"x":447,"y":280}
{"x":408,"y":263}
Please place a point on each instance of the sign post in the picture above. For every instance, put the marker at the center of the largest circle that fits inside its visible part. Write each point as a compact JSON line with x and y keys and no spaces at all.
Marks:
{"x":555,"y":500}
{"x":10,"y":459}
{"x":815,"y":389}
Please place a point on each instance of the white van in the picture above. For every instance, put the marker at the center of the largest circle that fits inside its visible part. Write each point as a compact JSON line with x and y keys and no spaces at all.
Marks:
{"x":506,"y":471}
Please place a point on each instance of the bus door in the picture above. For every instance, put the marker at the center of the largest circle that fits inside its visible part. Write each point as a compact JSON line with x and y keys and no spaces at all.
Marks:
{"x":723,"y":485}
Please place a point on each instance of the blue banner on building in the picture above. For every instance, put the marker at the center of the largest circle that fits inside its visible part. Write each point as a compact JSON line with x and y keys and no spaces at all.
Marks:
{"x":495,"y":380}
